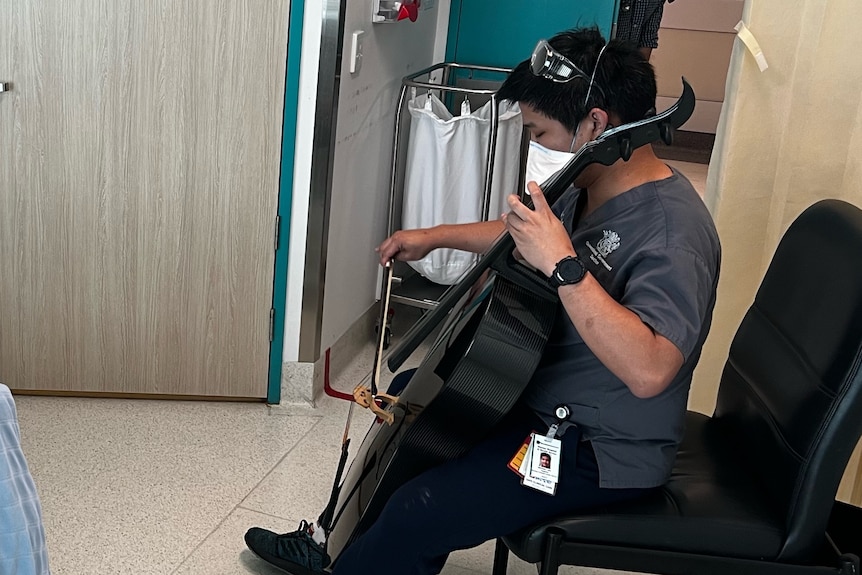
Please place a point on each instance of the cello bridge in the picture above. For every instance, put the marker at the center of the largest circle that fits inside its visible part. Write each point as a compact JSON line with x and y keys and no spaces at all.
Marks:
{"x":376,"y":403}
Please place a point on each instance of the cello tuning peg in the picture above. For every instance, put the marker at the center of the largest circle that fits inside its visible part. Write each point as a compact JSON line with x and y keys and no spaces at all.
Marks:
{"x":665,"y":130}
{"x":626,"y":149}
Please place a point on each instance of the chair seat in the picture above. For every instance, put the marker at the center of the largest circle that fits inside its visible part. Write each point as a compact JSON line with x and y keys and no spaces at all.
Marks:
{"x":709,"y":506}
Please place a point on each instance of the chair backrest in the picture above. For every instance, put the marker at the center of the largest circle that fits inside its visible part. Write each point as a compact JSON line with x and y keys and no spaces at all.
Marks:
{"x":791,"y":390}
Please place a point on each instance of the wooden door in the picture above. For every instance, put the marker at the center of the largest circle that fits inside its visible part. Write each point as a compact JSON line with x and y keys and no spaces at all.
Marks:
{"x":139,"y":164}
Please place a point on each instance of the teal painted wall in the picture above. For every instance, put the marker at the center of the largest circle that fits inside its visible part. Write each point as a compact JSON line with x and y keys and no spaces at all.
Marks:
{"x":504,"y":32}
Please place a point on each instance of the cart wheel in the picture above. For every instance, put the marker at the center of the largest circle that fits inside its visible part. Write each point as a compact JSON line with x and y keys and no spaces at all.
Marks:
{"x":387,"y":333}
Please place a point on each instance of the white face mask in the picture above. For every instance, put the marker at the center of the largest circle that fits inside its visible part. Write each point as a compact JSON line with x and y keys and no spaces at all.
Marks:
{"x":543,"y":162}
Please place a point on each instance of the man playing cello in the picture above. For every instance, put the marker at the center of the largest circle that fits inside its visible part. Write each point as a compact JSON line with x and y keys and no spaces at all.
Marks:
{"x":634,"y":256}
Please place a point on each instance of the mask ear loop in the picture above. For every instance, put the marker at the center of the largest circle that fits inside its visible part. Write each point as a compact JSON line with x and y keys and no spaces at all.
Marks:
{"x":589,"y":91}
{"x":593,"y":77}
{"x":574,"y":139}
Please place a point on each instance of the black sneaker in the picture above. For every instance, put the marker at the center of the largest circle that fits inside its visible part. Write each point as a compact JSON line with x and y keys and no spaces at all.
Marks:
{"x":295,"y":552}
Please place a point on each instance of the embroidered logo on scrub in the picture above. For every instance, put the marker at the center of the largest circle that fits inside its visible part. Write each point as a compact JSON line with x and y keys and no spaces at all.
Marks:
{"x":606,"y":245}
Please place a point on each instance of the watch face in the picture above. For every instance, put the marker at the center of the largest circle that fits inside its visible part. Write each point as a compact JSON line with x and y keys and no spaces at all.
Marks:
{"x":570,"y":271}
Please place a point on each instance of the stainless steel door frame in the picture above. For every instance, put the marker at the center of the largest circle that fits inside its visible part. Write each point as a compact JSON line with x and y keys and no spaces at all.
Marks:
{"x":328,"y":86}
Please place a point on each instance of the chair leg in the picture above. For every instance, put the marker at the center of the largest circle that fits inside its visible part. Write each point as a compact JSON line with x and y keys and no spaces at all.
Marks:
{"x":501,"y":558}
{"x":551,"y":561}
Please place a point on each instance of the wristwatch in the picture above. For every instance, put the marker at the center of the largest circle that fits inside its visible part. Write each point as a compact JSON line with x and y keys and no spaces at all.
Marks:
{"x":569,"y":270}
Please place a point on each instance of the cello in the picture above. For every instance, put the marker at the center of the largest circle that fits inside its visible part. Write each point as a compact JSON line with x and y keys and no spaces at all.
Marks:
{"x":495,"y":323}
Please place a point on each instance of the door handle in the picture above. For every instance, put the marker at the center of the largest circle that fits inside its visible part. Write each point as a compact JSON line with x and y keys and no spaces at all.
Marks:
{"x":5,"y":87}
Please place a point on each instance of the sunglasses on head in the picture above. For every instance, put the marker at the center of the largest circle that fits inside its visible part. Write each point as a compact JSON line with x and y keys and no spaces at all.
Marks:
{"x":550,"y":64}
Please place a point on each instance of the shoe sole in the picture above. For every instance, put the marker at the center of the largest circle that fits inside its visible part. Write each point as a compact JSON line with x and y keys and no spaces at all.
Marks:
{"x":288,"y":566}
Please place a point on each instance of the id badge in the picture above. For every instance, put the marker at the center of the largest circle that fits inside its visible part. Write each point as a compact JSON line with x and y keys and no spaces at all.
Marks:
{"x":540,"y":468}
{"x":545,"y":458}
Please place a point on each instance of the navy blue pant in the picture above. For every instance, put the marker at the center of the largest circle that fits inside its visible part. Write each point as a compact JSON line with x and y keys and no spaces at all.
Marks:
{"x":468,"y":501}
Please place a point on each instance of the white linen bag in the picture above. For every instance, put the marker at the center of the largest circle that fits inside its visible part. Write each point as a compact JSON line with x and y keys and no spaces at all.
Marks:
{"x":444,"y":178}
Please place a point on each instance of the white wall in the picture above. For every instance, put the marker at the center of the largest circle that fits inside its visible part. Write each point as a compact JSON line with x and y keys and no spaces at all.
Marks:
{"x":363,"y":148}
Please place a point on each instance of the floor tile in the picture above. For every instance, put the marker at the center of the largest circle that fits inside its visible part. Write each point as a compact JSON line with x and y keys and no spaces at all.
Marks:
{"x":481,"y":560}
{"x":300,"y":485}
{"x":133,"y":486}
{"x":223,"y":552}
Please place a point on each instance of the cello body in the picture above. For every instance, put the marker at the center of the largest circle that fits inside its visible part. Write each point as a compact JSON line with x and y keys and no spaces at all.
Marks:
{"x":495,"y":328}
{"x":471,"y":377}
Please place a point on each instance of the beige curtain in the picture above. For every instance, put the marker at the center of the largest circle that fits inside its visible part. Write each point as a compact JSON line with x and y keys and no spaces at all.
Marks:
{"x":787,"y":137}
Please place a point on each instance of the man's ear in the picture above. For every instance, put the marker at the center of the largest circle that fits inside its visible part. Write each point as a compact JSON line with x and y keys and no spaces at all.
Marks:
{"x":598,"y":122}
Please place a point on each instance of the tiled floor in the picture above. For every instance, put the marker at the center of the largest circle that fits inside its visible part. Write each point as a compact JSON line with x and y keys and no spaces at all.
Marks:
{"x":160,"y":487}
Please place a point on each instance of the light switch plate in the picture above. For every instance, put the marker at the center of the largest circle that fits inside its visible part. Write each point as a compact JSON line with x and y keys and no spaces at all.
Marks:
{"x":356,"y":51}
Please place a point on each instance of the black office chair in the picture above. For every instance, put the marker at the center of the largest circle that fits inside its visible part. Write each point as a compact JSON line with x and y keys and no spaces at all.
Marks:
{"x":754,"y":485}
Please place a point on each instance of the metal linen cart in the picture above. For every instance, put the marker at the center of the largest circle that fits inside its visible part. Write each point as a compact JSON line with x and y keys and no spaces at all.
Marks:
{"x":451,"y":81}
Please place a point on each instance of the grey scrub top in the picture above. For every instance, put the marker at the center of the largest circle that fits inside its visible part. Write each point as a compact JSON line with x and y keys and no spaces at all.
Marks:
{"x":655,"y":250}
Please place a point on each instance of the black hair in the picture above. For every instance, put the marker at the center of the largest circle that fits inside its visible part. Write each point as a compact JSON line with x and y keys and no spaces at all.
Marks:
{"x":627,"y":85}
